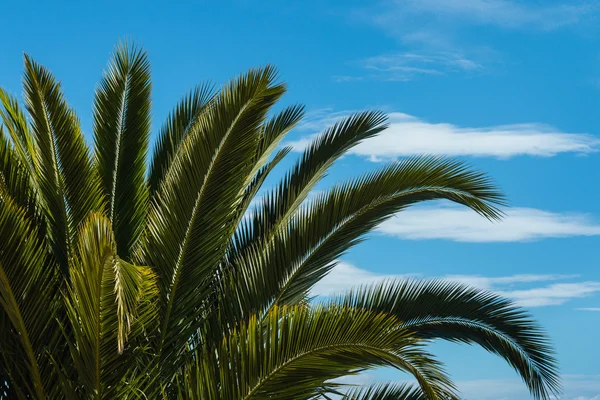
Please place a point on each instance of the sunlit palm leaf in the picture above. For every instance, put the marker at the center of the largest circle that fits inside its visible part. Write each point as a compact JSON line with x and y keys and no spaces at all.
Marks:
{"x":179,"y":124}
{"x":102,"y":305}
{"x":121,"y":135}
{"x":296,"y":350}
{"x":187,"y":233}
{"x":66,"y":177}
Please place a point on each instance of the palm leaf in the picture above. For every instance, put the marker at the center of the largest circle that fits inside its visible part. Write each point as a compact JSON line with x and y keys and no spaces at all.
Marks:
{"x":121,"y":135}
{"x":15,"y":178}
{"x":16,"y":123}
{"x":26,"y":299}
{"x":301,"y":255}
{"x":187,"y":238}
{"x":454,"y":312}
{"x":179,"y":123}
{"x":389,"y":391}
{"x":66,"y":178}
{"x":102,"y":306}
{"x":280,"y":205}
{"x":297,"y":350}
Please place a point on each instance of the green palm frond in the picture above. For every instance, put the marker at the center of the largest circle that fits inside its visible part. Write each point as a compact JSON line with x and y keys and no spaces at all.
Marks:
{"x":121,"y":136}
{"x":13,"y":117}
{"x":336,"y":220}
{"x":389,"y":391}
{"x":280,"y":204}
{"x":275,"y":129}
{"x":15,"y":178}
{"x":297,"y":350}
{"x":177,"y":282}
{"x":187,"y":233}
{"x":454,"y":312}
{"x":27,"y":290}
{"x":102,"y":306}
{"x":178,"y":125}
{"x":67,"y":180}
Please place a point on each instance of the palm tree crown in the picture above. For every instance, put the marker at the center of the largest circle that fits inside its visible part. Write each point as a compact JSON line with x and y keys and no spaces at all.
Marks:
{"x":120,"y":280}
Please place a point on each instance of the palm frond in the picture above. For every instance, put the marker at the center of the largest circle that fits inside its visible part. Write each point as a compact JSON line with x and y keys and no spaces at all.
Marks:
{"x":67,"y":180}
{"x":27,"y":290}
{"x":179,"y":123}
{"x":15,"y":177}
{"x":454,"y":312}
{"x":121,"y":136}
{"x":280,"y":205}
{"x":188,"y":226}
{"x":15,"y":121}
{"x":388,"y":391}
{"x":275,"y":129}
{"x":301,"y":255}
{"x":297,"y":350}
{"x":102,"y":305}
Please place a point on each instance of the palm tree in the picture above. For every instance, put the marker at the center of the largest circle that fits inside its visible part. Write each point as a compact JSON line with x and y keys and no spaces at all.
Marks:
{"x":123,"y":281}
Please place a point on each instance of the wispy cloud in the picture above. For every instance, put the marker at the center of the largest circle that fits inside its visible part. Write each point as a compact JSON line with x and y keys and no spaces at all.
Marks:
{"x":576,"y":387}
{"x":463,"y":225}
{"x":409,"y":65}
{"x":408,"y":135}
{"x":446,"y":25}
{"x":595,"y":309}
{"x":347,"y":78}
{"x":527,"y":290}
{"x":431,"y":22}
{"x":507,"y":14}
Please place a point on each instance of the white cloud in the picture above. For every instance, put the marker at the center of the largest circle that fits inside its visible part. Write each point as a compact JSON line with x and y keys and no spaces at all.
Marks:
{"x":596,"y":309}
{"x":463,"y":225}
{"x":555,"y":294}
{"x":345,"y":275}
{"x":518,"y":288}
{"x":408,"y":135}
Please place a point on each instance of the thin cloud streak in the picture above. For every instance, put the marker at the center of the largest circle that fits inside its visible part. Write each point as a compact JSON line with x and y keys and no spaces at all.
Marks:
{"x":504,"y":14}
{"x":408,"y":135}
{"x":403,"y":67}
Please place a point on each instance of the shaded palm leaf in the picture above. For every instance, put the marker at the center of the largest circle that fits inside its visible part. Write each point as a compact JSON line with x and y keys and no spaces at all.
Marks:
{"x":15,"y":121}
{"x":298,"y":257}
{"x":27,"y":290}
{"x":454,"y":312}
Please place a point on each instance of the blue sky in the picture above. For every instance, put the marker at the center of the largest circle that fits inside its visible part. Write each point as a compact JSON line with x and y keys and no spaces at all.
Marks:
{"x":511,"y":86}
